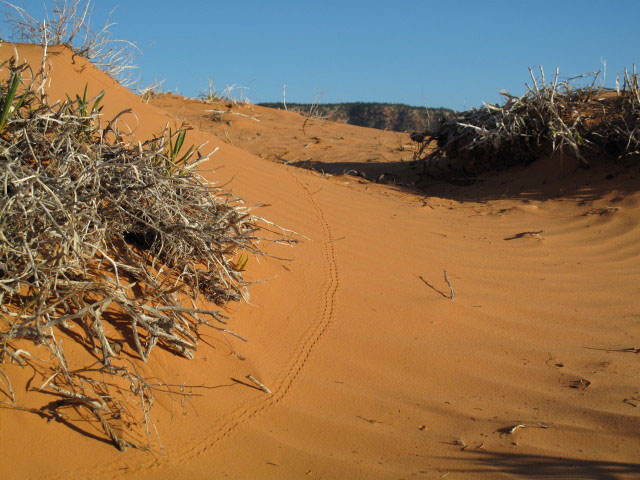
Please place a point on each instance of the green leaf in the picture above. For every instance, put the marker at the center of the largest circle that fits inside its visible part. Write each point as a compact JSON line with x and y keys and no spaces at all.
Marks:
{"x":179,"y":142}
{"x":8,"y":101}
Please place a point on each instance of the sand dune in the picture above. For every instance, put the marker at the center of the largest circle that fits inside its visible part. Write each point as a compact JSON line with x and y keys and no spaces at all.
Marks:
{"x":530,"y":371}
{"x":307,"y":142}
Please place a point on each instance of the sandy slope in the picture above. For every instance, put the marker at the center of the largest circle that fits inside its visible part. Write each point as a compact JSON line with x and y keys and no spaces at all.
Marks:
{"x":293,"y":139}
{"x":376,"y":372}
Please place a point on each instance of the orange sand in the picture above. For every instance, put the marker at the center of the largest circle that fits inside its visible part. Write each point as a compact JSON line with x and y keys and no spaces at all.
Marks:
{"x":375,"y":371}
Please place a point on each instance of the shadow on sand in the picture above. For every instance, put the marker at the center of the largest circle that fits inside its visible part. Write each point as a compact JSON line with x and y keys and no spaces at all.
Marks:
{"x":379,"y":172}
{"x":545,"y":179}
{"x":557,"y":468}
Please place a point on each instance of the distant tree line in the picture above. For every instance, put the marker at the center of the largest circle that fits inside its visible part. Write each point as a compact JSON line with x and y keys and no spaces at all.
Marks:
{"x":390,"y":116}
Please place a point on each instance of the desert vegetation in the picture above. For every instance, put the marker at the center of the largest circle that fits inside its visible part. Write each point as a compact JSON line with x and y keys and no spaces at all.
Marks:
{"x":211,"y":95}
{"x":69,"y":22}
{"x":551,"y":117}
{"x":119,"y":242}
{"x":107,"y":244}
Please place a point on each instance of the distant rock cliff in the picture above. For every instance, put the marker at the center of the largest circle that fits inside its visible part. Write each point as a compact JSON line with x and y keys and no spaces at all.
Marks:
{"x":390,"y":116}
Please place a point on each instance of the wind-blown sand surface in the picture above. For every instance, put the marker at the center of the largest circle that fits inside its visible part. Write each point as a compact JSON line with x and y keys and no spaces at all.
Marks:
{"x":375,"y":371}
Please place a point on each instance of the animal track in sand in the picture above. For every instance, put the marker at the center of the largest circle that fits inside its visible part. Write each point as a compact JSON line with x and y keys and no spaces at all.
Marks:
{"x":302,"y":352}
{"x":282,"y":385}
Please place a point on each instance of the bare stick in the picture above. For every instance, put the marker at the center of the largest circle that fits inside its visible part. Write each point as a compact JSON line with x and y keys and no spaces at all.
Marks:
{"x":452,"y":294}
{"x":11,"y":394}
{"x":259,"y":384}
{"x":284,"y":95}
{"x":224,"y":112}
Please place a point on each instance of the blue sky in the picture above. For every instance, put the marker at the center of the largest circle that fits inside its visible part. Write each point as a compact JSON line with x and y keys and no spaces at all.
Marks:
{"x":447,"y":53}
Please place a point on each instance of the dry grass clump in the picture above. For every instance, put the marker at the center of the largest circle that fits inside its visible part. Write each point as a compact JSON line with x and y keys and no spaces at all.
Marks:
{"x":551,"y":117}
{"x":69,"y":22}
{"x":151,"y":91}
{"x":211,"y":95}
{"x":112,"y":246}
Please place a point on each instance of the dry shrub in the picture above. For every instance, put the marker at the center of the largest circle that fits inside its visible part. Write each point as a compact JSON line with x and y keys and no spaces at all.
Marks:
{"x":151,"y":91}
{"x":69,"y":22}
{"x":551,"y":117}
{"x":111,"y":245}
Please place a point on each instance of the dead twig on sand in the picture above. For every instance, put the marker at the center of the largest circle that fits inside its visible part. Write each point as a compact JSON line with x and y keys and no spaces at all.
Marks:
{"x":452,"y":294}
{"x":527,"y":234}
{"x":459,"y":442}
{"x":621,"y":350}
{"x":511,"y":430}
{"x":372,"y":421}
{"x":230,"y":112}
{"x":432,"y":287}
{"x":260,"y":385}
{"x":11,"y":395}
